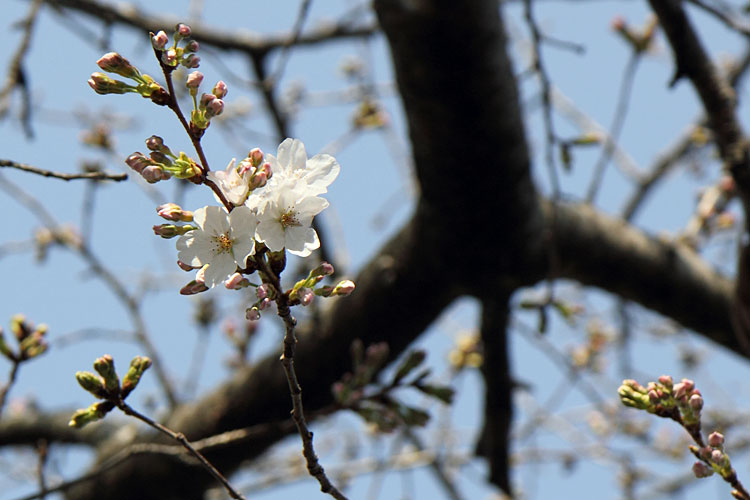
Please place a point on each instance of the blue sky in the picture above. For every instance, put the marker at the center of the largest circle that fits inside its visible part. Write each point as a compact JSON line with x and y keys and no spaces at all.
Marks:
{"x":371,"y":198}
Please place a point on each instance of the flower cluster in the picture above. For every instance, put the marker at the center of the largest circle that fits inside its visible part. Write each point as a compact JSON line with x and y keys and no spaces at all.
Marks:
{"x":143,"y":84}
{"x":273,"y":200}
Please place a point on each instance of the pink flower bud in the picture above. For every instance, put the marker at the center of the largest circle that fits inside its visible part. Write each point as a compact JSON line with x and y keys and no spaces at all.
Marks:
{"x":689,"y":384}
{"x":717,"y":457}
{"x":191,"y":61}
{"x":102,"y":84}
{"x":193,"y":46}
{"x":159,"y":40}
{"x":236,"y":282}
{"x":679,"y":390}
{"x":174,"y":212}
{"x":113,"y":62}
{"x":155,"y":143}
{"x":666,"y":381}
{"x":215,"y":107}
{"x":696,"y":402}
{"x":306,"y":296}
{"x":167,"y":231}
{"x":715,"y":439}
{"x":344,"y":288}
{"x":138,"y":161}
{"x":702,"y":470}
{"x":245,"y":166}
{"x":265,"y":304}
{"x":618,"y":23}
{"x":263,"y":291}
{"x":324,"y":269}
{"x":183,"y":30}
{"x":194,"y":80}
{"x":256,"y":156}
{"x":169,"y":57}
{"x":252,"y":314}
{"x":220,"y":89}
{"x":152,"y":174}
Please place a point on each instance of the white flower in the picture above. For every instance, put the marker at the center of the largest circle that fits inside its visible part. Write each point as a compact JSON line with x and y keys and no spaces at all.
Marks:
{"x":291,"y":164}
{"x":222,"y":243}
{"x":234,"y":186}
{"x":285,"y":219}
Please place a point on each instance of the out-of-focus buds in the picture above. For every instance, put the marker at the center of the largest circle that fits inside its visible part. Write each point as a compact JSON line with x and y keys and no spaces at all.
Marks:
{"x":191,"y":61}
{"x":716,"y":440}
{"x":702,"y":470}
{"x":182,"y":31}
{"x":138,"y":365}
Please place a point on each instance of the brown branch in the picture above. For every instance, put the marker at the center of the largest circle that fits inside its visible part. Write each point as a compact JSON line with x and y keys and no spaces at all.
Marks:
{"x":239,"y":40}
{"x":96,"y":176}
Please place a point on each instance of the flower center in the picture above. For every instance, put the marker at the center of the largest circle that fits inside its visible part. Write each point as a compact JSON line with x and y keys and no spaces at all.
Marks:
{"x":289,"y":219}
{"x":223,"y":243}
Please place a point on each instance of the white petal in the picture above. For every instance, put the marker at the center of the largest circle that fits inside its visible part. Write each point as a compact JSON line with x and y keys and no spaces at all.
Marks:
{"x":311,"y":205}
{"x":271,"y":233}
{"x":219,"y":269}
{"x":322,"y":171}
{"x":301,"y":240}
{"x":216,"y":220}
{"x":284,"y":153}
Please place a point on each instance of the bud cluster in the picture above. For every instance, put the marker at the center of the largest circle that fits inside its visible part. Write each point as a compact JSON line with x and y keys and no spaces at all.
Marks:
{"x":143,"y":84}
{"x":30,"y":339}
{"x":106,"y":386}
{"x":209,"y":105}
{"x":304,"y":291}
{"x":173,"y":56}
{"x":375,"y":402}
{"x":712,"y":458}
{"x":640,"y":40}
{"x":162,"y":164}
{"x":681,"y":402}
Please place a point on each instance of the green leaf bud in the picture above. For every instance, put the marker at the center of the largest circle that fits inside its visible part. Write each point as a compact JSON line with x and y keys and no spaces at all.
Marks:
{"x":138,"y":365}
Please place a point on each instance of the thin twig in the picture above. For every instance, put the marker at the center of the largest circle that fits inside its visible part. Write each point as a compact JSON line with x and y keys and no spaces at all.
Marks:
{"x":11,"y":380}
{"x":618,"y":121}
{"x":15,"y":76}
{"x":727,"y":18}
{"x":304,"y":9}
{"x":287,"y":360}
{"x":97,"y":176}
{"x":179,"y":437}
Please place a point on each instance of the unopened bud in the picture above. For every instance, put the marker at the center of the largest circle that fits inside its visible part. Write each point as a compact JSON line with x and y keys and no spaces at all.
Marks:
{"x":155,"y":143}
{"x":182,"y":31}
{"x":702,"y":470}
{"x":193,"y":46}
{"x":169,"y":57}
{"x":252,"y":314}
{"x":305,"y":296}
{"x":115,"y":63}
{"x":263,"y":291}
{"x":666,"y":381}
{"x":194,"y":81}
{"x":191,"y":61}
{"x":717,"y":457}
{"x":105,"y":366}
{"x":168,"y":231}
{"x":220,"y":89}
{"x":237,"y":282}
{"x":159,"y":40}
{"x":696,"y":402}
{"x":138,"y":365}
{"x":102,"y":84}
{"x":138,"y":161}
{"x":255,"y":155}
{"x":324,"y":269}
{"x":214,"y":107}
{"x":344,"y":288}
{"x":174,"y":212}
{"x":715,"y":439}
{"x":92,"y":383}
{"x":95,"y":412}
{"x":153,"y":174}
